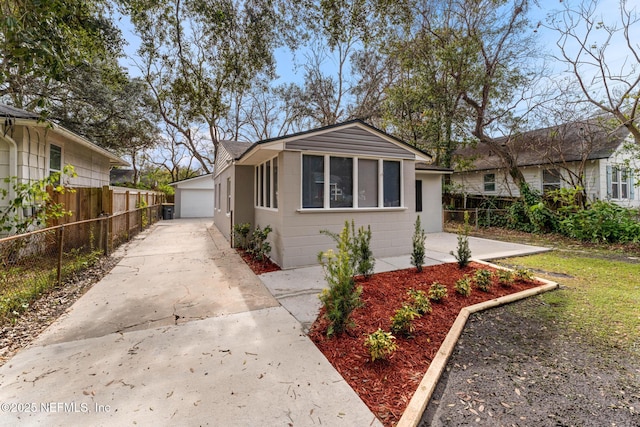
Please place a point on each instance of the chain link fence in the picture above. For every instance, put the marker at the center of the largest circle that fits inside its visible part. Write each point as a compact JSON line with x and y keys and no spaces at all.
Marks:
{"x":35,"y":262}
{"x":478,"y":217}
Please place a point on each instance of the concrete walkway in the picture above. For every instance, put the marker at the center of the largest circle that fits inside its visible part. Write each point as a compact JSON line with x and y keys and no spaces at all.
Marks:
{"x":180,"y":333}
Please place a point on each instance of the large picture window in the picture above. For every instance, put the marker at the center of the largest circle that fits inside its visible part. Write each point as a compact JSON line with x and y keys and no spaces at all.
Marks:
{"x":267,"y":184}
{"x":312,"y":181}
{"x":391,"y":174}
{"x":350,"y":182}
{"x":367,"y":183}
{"x":341,"y":182}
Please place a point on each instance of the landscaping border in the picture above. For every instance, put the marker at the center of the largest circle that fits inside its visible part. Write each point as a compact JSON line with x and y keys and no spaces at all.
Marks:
{"x":413,"y":413}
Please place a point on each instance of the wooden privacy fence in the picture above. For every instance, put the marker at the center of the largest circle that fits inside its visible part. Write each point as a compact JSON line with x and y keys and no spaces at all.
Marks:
{"x":90,"y":203}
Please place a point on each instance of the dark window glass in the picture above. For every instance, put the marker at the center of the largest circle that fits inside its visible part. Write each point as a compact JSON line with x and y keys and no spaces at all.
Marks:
{"x":391,"y":177}
{"x":312,"y":181}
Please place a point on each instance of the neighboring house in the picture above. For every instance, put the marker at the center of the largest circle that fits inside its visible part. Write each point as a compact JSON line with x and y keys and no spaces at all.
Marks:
{"x":303,"y":183}
{"x":560,"y":157}
{"x":31,"y":149}
{"x":194,"y":197}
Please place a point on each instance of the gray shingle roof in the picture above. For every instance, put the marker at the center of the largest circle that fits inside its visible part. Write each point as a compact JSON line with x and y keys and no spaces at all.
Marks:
{"x":236,"y":148}
{"x":564,"y":143}
{"x":17,"y":113}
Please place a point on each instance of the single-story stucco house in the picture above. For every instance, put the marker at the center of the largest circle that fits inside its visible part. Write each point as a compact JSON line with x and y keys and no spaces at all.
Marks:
{"x":31,"y":149}
{"x":303,"y":183}
{"x":194,"y":197}
{"x":554,"y":158}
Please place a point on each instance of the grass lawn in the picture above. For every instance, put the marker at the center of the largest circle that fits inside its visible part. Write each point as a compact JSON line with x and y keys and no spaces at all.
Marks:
{"x":600,"y":294}
{"x":600,"y":298}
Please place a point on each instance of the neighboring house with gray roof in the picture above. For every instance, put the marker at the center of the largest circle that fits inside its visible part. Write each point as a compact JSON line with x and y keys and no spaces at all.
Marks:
{"x":31,"y":149}
{"x":584,"y":153}
{"x":310,"y":181}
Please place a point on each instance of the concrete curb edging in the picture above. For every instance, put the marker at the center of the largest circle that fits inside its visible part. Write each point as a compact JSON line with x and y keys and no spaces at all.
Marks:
{"x":418,"y":403}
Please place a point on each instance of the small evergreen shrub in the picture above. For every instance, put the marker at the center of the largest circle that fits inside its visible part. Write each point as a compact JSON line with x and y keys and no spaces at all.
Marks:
{"x":463,"y":253}
{"x":482,"y":279}
{"x":418,"y":253}
{"x":342,"y":296}
{"x":437,"y":291}
{"x":380,"y":345}
{"x":359,"y":248}
{"x":505,"y":277}
{"x":463,"y":286}
{"x":523,"y":274}
{"x":419,"y":301}
{"x":402,"y":320}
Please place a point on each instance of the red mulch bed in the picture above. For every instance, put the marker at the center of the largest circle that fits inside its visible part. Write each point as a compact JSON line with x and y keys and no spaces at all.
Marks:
{"x":258,"y":267}
{"x":387,"y":386}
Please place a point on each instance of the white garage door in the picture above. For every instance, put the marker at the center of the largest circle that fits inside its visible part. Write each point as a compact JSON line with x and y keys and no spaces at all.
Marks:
{"x":196,"y":203}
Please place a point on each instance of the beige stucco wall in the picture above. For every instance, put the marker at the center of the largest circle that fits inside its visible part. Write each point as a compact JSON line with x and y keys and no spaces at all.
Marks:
{"x":431,"y":215}
{"x":221,"y":218}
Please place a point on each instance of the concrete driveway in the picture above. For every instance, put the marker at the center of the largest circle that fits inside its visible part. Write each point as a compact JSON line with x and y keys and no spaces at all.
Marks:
{"x":180,"y":333}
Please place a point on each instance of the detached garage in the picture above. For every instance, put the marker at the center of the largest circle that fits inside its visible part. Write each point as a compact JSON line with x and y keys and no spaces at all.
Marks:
{"x":194,"y":197}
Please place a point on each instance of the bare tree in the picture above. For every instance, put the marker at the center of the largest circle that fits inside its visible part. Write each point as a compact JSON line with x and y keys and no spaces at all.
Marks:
{"x":603,"y":57}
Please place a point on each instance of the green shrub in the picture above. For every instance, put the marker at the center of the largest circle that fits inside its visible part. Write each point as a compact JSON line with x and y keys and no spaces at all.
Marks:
{"x":603,"y":222}
{"x":402,"y":320}
{"x":36,"y":197}
{"x":259,"y":247}
{"x":380,"y":345}
{"x":505,"y":277}
{"x":437,"y":291}
{"x":241,"y":235}
{"x":342,"y":296}
{"x":419,"y":301}
{"x":463,"y":286}
{"x":418,"y":253}
{"x":463,"y":253}
{"x":523,"y":274}
{"x":482,"y":278}
{"x":359,"y":248}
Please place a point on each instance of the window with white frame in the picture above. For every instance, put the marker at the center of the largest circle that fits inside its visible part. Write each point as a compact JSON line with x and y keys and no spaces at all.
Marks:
{"x":55,"y":159}
{"x":551,"y":180}
{"x":228,"y":195}
{"x":489,"y":180}
{"x":620,"y":182}
{"x":266,"y":176}
{"x":218,"y":195}
{"x":350,"y":182}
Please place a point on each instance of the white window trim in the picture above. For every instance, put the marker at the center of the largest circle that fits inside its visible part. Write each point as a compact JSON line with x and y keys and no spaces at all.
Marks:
{"x":484,"y":183}
{"x":617,"y":173}
{"x":49,"y":159}
{"x":327,"y":176}
{"x":261,"y":179}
